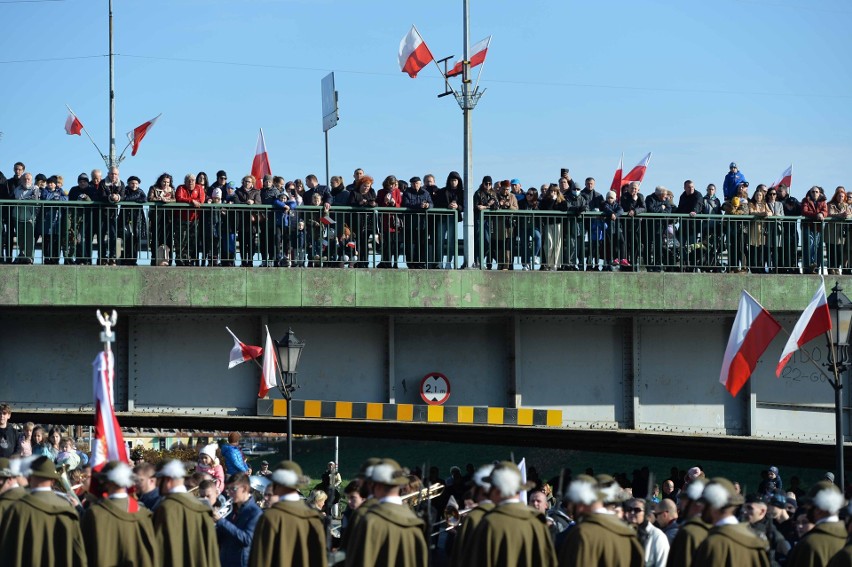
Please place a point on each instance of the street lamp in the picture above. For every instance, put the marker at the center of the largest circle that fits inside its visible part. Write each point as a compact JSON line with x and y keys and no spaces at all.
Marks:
{"x":840,"y":309}
{"x":289,"y":351}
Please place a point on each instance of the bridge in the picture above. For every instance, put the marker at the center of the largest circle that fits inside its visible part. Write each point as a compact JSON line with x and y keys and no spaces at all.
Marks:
{"x":624,"y":362}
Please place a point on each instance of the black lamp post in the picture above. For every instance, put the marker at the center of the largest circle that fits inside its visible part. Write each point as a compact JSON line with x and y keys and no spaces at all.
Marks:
{"x":840,"y":308}
{"x":289,"y":351}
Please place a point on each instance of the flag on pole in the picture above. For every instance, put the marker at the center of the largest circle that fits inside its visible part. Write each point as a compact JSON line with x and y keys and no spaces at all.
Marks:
{"x":139,"y":132}
{"x":260,"y":163}
{"x":242,"y":352}
{"x":815,"y":320}
{"x":522,"y":466}
{"x":638,"y":172}
{"x":73,"y":126}
{"x":786,"y":179}
{"x":616,"y":179}
{"x":268,"y":378}
{"x":108,"y":442}
{"x":753,"y":330}
{"x":478,"y":53}
{"x":413,"y":53}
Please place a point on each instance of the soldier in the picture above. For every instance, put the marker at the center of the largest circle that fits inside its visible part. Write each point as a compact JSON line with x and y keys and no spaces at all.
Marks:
{"x":728,"y":542}
{"x":600,"y":537}
{"x":389,"y":533}
{"x":693,"y":530}
{"x":366,"y":494}
{"x":42,"y":528}
{"x":117,"y":530}
{"x":289,"y":532}
{"x":186,"y":535}
{"x":481,"y":488}
{"x":10,"y":489}
{"x":512,"y":533}
{"x":828,"y":536}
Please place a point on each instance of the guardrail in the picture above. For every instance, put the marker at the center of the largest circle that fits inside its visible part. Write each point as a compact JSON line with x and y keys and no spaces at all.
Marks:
{"x":55,"y":232}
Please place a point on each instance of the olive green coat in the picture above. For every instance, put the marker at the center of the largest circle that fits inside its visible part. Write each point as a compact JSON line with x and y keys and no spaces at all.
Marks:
{"x":186,"y":534}
{"x":116,"y":537}
{"x":731,"y":545}
{"x":689,"y":536}
{"x":10,"y":497}
{"x":41,"y":529}
{"x":512,"y":535}
{"x":460,"y":555}
{"x":818,"y":546}
{"x":601,"y":539}
{"x":289,"y":534}
{"x":842,"y":558}
{"x":390,"y":535}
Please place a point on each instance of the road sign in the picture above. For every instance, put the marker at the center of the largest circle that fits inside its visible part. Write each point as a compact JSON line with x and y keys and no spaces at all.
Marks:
{"x":330,"y":114}
{"x":435,"y":389}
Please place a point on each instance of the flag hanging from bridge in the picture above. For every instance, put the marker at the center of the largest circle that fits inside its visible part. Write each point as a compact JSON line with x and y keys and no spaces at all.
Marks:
{"x":753,"y":330}
{"x":242,"y":352}
{"x":260,"y":164}
{"x":268,"y":378}
{"x":815,"y":321}
{"x":616,"y":179}
{"x":108,"y":442}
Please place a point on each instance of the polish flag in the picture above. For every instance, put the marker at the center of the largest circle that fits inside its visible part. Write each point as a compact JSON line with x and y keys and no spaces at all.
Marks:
{"x":73,"y":126}
{"x":242,"y":352}
{"x":413,"y":53}
{"x":139,"y":132}
{"x":786,"y":179}
{"x":268,"y":378}
{"x":480,"y":50}
{"x":616,"y":179}
{"x":260,"y":163}
{"x":108,"y":442}
{"x":815,"y":320}
{"x":638,"y":172}
{"x":754,"y":328}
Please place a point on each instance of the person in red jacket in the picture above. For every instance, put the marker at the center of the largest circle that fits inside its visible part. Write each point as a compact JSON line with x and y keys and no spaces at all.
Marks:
{"x":391,"y":223}
{"x":814,"y":209}
{"x":193,"y":195}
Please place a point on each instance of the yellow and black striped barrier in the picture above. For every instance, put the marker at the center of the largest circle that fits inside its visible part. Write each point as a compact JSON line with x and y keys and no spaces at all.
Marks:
{"x":369,"y":411}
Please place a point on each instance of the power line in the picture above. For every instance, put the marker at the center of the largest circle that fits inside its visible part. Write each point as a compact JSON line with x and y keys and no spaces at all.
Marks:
{"x":27,"y":1}
{"x":49,"y":59}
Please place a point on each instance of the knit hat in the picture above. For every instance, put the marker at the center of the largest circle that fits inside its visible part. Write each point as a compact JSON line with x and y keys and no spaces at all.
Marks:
{"x":217,"y":193}
{"x":289,"y":474}
{"x":487,"y":179}
{"x":210,"y":451}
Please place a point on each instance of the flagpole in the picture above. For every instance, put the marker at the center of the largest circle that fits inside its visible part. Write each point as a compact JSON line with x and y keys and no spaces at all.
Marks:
{"x":467,"y":107}
{"x":87,"y":132}
{"x":112,"y":160}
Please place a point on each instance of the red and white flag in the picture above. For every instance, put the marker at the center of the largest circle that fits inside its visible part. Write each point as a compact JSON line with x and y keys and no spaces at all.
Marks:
{"x":754,"y":328}
{"x":108,"y":442}
{"x":477,"y":57}
{"x":242,"y":352}
{"x":260,"y":163}
{"x":139,"y":132}
{"x":268,"y":378}
{"x":73,"y":126}
{"x":815,"y":321}
{"x":413,"y":53}
{"x":786,"y":179}
{"x":616,"y":179}
{"x":638,"y":172}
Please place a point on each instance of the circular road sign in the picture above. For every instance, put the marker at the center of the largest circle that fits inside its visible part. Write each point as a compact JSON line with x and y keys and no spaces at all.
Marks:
{"x":435,"y":389}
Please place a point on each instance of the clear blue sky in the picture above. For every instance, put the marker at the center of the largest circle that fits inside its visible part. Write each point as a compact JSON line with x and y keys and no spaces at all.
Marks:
{"x":569,"y":83}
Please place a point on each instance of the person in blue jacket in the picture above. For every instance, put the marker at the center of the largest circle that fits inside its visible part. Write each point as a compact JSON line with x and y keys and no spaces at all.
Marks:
{"x":235,"y":531}
{"x":732,"y":180}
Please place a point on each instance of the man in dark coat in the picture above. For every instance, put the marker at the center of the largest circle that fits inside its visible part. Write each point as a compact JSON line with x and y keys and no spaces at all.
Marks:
{"x":183,"y":525}
{"x":462,"y":551}
{"x":728,"y":542}
{"x":236,"y":531}
{"x":42,"y":528}
{"x":828,"y":536}
{"x":693,"y":530}
{"x":9,"y":444}
{"x":290,"y":533}
{"x":388,"y":533}
{"x":117,"y":530}
{"x":600,"y":537}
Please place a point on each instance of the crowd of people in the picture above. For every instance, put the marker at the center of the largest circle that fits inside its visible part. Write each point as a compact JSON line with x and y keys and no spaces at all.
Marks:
{"x":217,"y":511}
{"x":560,"y":226}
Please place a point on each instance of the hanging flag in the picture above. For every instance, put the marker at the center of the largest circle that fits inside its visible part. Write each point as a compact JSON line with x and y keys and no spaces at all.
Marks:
{"x":413,"y":53}
{"x":477,"y":57}
{"x":786,"y":179}
{"x":815,"y":321}
{"x":73,"y":126}
{"x":753,"y":330}
{"x":522,"y":466}
{"x":242,"y":352}
{"x":268,"y":378}
{"x":616,"y":179}
{"x":638,"y":172}
{"x":108,"y":442}
{"x":139,"y":132}
{"x":260,"y":163}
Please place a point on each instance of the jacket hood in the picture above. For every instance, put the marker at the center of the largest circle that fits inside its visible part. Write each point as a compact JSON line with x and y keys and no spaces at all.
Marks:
{"x":455,"y":175}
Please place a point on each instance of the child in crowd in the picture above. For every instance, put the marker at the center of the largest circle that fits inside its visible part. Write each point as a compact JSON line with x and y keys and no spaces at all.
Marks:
{"x":209,"y":463}
{"x":67,"y":455}
{"x":25,"y":439}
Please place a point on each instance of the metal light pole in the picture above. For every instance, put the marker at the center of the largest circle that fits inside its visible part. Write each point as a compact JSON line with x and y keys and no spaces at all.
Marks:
{"x":840,"y":309}
{"x":112,"y":158}
{"x":289,"y":351}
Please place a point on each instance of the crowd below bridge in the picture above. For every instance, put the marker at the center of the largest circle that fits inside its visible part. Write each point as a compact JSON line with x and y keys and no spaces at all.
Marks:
{"x":210,"y":508}
{"x":415,"y":224}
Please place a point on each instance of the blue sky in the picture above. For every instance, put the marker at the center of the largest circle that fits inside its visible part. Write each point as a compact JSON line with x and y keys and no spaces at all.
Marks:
{"x":569,"y":84}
